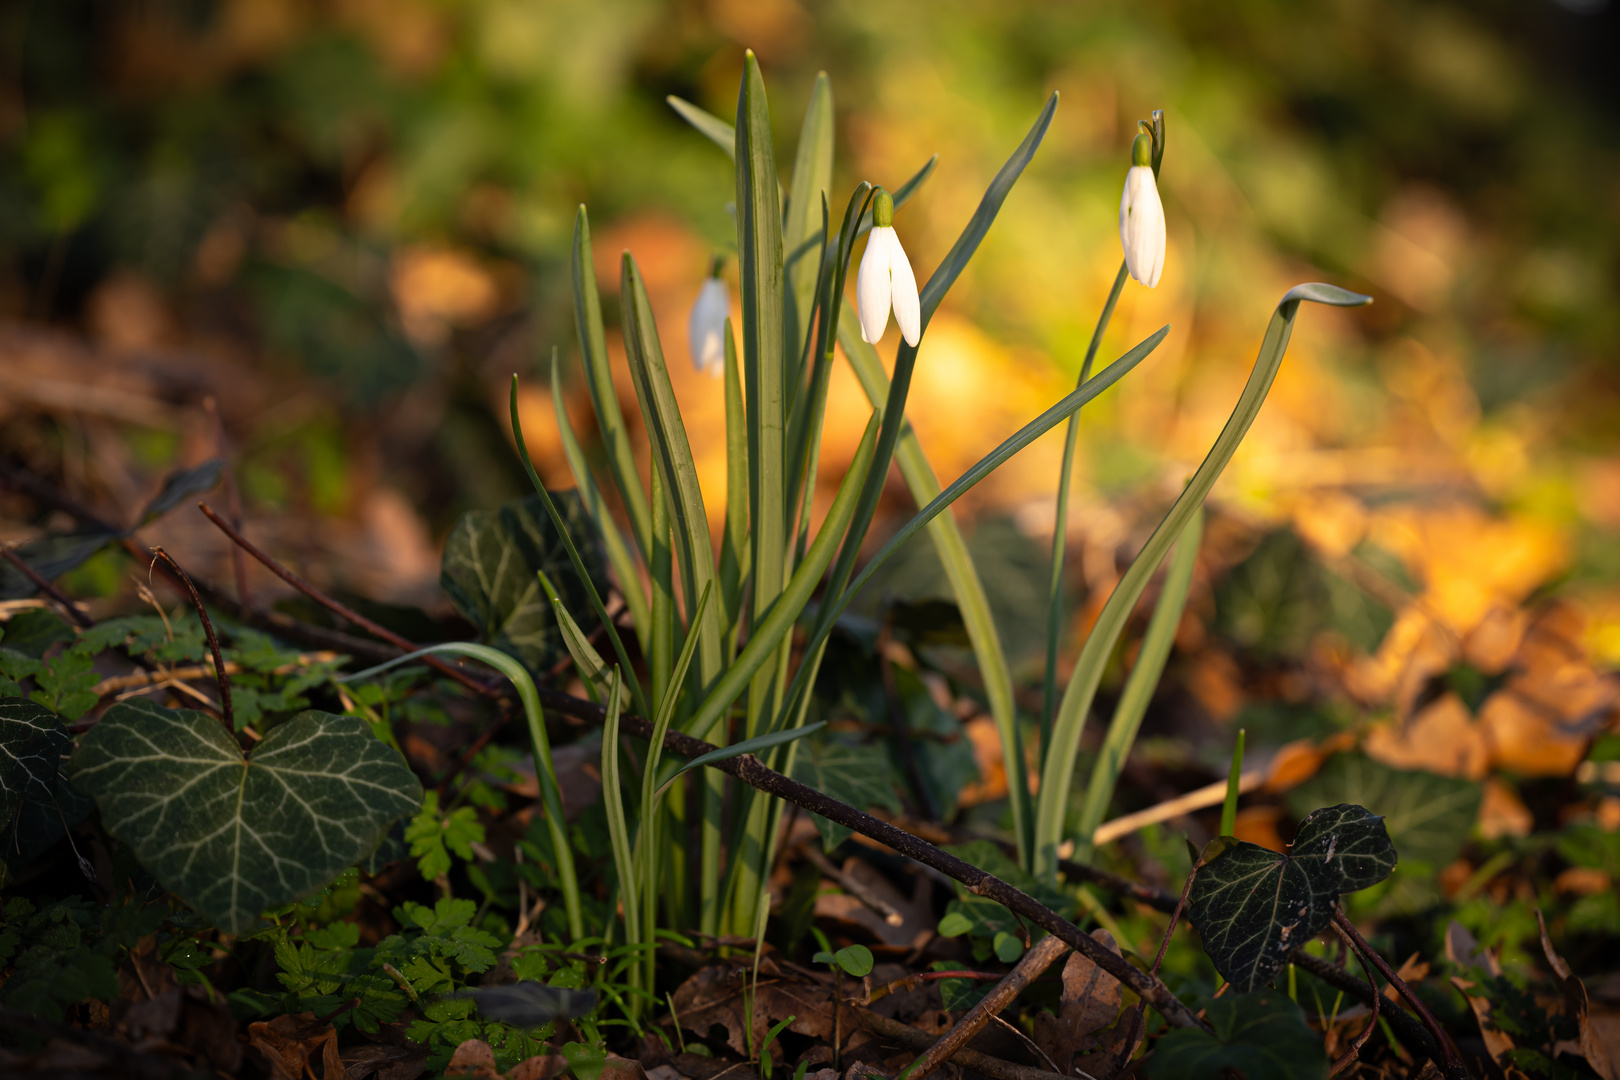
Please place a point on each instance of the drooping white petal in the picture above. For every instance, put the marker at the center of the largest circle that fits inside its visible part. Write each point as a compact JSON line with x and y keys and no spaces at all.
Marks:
{"x":706,"y":329}
{"x":907,"y":310}
{"x":1141,"y":226}
{"x":872,"y":285}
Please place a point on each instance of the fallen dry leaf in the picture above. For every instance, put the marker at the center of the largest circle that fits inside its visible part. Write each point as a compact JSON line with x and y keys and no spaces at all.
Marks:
{"x":1576,"y":1001}
{"x":288,"y":1041}
{"x":1442,"y":739}
{"x":1463,"y":950}
{"x":715,"y":996}
{"x":544,"y":1067}
{"x":473,"y":1060}
{"x":1090,"y":1002}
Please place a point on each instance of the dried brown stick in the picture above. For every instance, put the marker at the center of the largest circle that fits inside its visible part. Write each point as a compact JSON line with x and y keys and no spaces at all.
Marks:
{"x":344,"y":611}
{"x":1450,"y":1063}
{"x":1015,"y":982}
{"x":62,"y":599}
{"x":854,"y":886}
{"x":753,"y":772}
{"x":1353,"y":1051}
{"x":224,"y":679}
{"x":913,"y":1039}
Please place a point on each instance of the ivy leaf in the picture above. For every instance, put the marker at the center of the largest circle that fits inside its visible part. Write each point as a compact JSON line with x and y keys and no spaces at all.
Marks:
{"x":37,"y":805}
{"x":1252,"y":905}
{"x":857,"y":775}
{"x":489,"y":571}
{"x":232,"y":835}
{"x":1428,"y":816}
{"x":1259,"y":1036}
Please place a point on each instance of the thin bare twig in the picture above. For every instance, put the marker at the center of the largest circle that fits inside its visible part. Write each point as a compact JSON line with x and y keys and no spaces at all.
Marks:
{"x":229,"y":716}
{"x":854,"y":887}
{"x":1028,"y":969}
{"x":913,"y":1039}
{"x":343,"y":610}
{"x":1450,"y":1063}
{"x":67,"y":604}
{"x":1353,"y":1051}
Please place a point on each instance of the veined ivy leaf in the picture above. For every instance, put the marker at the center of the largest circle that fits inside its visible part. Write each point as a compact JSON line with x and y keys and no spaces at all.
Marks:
{"x":1260,"y":1036}
{"x":489,"y":571}
{"x":1428,"y":816}
{"x":857,"y":775}
{"x":1252,"y":905}
{"x":230,"y":835}
{"x":36,"y":804}
{"x":946,"y":764}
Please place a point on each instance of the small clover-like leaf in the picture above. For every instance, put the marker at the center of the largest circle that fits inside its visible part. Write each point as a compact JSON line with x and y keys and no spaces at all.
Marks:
{"x":856,"y":960}
{"x":230,"y":835}
{"x":1252,"y":905}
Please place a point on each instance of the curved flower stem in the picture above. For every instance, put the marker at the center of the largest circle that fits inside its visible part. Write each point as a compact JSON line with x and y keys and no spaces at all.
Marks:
{"x":213,"y":642}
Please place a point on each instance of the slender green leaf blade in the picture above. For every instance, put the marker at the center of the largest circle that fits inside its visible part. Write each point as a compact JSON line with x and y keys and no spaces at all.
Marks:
{"x":599,"y":380}
{"x":812,"y":177}
{"x":750,"y":746}
{"x":1067,"y":726}
{"x":233,"y":836}
{"x":672,"y":457}
{"x":717,"y":130}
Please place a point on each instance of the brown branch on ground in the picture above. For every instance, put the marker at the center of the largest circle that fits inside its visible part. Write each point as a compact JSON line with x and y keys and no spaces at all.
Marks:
{"x":1027,"y":970}
{"x":913,"y":1039}
{"x":750,"y":770}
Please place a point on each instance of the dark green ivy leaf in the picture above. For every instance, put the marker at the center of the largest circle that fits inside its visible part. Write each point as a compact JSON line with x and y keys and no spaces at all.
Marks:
{"x":37,"y":805}
{"x":1252,"y":905}
{"x":855,"y":774}
{"x":1261,"y":1036}
{"x":230,"y":835}
{"x":489,"y":571}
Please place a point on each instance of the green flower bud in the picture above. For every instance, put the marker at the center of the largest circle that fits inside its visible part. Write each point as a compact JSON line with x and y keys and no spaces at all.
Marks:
{"x":883,"y":209}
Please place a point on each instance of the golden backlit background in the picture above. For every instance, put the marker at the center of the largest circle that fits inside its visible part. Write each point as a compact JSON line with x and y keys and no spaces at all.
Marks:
{"x":348,"y":223}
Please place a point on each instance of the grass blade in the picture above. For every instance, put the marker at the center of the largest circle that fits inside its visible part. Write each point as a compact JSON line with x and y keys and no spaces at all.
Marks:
{"x":599,"y":380}
{"x":735,"y":557}
{"x":593,"y":670}
{"x":718,"y":131}
{"x":624,"y":568}
{"x":1234,"y":782}
{"x":1067,"y":725}
{"x":545,"y":772}
{"x":672,"y":457}
{"x":661,"y":645}
{"x":1144,"y":677}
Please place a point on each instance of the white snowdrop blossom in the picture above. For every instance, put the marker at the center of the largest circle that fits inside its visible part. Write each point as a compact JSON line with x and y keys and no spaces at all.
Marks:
{"x":706,"y":328}
{"x":885,"y":280}
{"x":1141,"y":217}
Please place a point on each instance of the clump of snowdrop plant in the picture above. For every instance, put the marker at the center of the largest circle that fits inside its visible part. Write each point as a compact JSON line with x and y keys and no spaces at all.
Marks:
{"x":1141,"y":216}
{"x":885,"y":279}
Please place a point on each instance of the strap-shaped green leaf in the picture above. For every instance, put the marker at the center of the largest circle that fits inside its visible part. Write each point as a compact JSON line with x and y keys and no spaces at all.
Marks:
{"x":1252,"y":905}
{"x":750,"y":746}
{"x":760,"y":272}
{"x":230,"y":835}
{"x":768,"y":633}
{"x":735,"y":555}
{"x":599,"y":380}
{"x":812,"y":177}
{"x":672,"y":457}
{"x":1138,"y":692}
{"x":593,"y":670}
{"x":1058,"y":773}
{"x":717,"y":130}
{"x":624,"y":568}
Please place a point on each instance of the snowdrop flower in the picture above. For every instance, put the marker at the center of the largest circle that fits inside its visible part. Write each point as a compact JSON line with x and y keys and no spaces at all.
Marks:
{"x":1141,"y":217}
{"x":706,"y":328}
{"x":886,"y":280}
